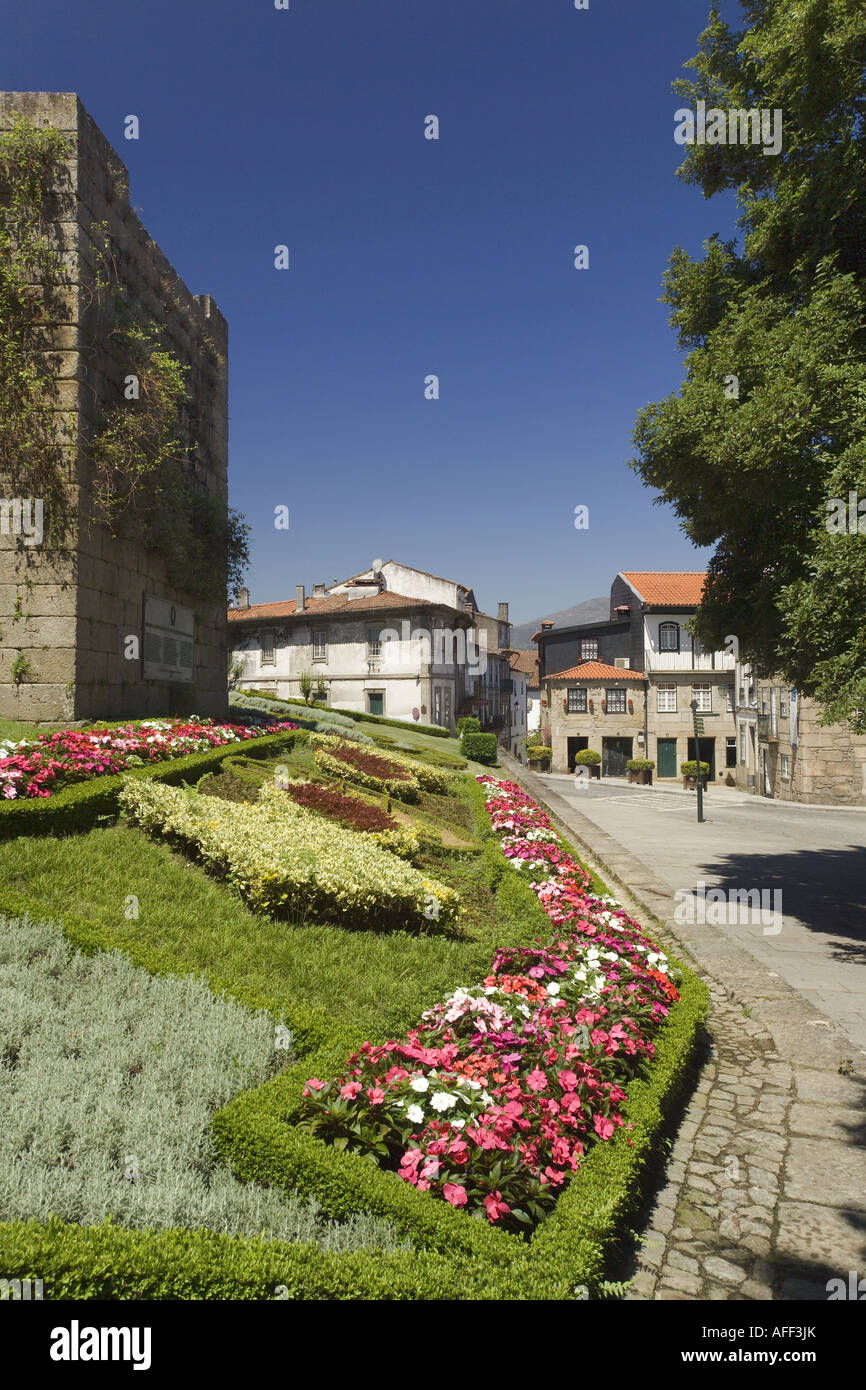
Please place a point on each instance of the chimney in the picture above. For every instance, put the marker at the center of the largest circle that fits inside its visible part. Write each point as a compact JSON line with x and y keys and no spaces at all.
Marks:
{"x":502,"y":615}
{"x":546,"y":625}
{"x":243,"y":598}
{"x":299,"y":598}
{"x":318,"y":591}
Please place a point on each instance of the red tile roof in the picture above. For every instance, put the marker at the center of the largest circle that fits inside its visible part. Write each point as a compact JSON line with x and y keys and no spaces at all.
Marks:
{"x":596,"y":670}
{"x":670,"y":588}
{"x":333,"y":603}
{"x":527,"y":662}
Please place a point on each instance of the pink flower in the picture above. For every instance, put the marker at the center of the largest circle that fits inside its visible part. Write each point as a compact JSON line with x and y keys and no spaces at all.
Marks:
{"x":375,"y":1095}
{"x":603,"y":1127}
{"x":495,"y":1206}
{"x":536,"y":1080}
{"x":316,"y":1084}
{"x":350,"y":1090}
{"x":453,"y":1193}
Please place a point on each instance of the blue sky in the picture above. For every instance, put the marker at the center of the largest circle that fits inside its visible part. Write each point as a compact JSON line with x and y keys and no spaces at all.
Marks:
{"x":410,"y":257}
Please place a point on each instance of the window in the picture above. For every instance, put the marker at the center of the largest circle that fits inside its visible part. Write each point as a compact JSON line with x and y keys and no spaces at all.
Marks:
{"x":320,"y":645}
{"x":729,"y":699}
{"x":589,"y":649}
{"x":667,"y":698}
{"x":783,"y":703}
{"x":742,"y":743}
{"x":704,"y":696}
{"x":446,"y":707}
{"x":764,"y":701}
{"x":742,"y":699}
{"x":374,"y":644}
{"x":615,"y":701}
{"x":730,"y":752}
{"x":785,"y":767}
{"x":268,"y":652}
{"x":576,"y":700}
{"x":697,"y":649}
{"x":437,"y":705}
{"x":669,"y":637}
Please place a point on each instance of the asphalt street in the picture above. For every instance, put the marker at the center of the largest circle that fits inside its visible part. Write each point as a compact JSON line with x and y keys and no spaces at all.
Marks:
{"x":809,"y":863}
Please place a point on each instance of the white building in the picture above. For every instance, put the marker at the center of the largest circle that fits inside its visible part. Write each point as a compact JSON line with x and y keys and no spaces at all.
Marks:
{"x":391,"y":640}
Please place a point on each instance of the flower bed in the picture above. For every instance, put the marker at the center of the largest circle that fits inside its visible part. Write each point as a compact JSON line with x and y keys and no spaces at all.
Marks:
{"x":493,"y":1101}
{"x":41,"y":766}
{"x":384,"y":771}
{"x":341,"y":759}
{"x":282,"y":861}
{"x":354,"y":814}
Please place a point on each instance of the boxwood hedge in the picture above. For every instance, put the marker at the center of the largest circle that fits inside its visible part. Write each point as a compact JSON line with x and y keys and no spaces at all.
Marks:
{"x":453,"y":1257}
{"x":81,"y":804}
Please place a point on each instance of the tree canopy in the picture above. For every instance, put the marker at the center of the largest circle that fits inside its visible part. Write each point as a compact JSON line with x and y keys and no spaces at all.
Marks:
{"x":769,"y":425}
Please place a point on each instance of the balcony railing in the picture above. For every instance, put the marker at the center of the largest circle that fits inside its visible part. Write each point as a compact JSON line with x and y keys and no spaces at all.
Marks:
{"x":685,"y":661}
{"x":765,"y":728}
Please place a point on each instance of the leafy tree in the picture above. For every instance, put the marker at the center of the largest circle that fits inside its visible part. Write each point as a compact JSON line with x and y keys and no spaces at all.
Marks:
{"x":770,"y":422}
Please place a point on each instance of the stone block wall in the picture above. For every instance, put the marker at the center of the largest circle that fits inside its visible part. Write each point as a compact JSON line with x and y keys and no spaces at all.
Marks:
{"x":68,"y":618}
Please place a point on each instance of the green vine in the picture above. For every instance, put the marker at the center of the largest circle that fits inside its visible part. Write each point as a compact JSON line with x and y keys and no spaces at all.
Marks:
{"x":146,"y":483}
{"x":34,"y":433}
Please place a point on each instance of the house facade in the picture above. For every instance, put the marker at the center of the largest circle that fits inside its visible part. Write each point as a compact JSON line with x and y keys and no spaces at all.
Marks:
{"x":418,"y":652}
{"x":784,"y":752}
{"x":624,"y":687}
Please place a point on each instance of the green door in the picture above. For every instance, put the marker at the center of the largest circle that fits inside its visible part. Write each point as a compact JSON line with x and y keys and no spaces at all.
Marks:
{"x":377,"y":702}
{"x":666,"y":757}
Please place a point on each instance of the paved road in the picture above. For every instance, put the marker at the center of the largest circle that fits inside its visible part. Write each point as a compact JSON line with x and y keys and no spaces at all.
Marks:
{"x":816,"y":860}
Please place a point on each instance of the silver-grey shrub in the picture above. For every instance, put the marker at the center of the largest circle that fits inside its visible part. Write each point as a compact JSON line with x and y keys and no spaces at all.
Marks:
{"x":109,"y":1078}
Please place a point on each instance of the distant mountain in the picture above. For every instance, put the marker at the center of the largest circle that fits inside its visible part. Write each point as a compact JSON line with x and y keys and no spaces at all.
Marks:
{"x":592,"y":610}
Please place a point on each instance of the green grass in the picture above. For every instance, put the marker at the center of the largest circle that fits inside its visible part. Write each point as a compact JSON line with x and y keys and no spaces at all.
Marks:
{"x":14,"y":728}
{"x":375,"y":984}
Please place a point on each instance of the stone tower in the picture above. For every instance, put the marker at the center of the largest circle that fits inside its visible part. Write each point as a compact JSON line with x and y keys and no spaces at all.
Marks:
{"x":98,"y":630}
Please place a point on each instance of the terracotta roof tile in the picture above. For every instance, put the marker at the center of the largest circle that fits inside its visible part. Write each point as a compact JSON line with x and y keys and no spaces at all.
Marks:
{"x":670,"y":588}
{"x":525,"y":661}
{"x":596,"y":670}
{"x":333,"y":603}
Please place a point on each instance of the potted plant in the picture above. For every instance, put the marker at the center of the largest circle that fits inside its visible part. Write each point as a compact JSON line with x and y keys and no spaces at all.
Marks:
{"x":640,"y":770}
{"x":690,"y":774}
{"x":539,"y":757}
{"x":588,"y":757}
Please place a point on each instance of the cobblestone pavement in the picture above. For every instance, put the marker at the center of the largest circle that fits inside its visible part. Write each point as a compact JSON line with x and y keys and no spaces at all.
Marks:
{"x":763,"y":1195}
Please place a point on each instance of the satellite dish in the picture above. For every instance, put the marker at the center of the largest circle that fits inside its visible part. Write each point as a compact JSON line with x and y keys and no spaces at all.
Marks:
{"x":377,"y":565}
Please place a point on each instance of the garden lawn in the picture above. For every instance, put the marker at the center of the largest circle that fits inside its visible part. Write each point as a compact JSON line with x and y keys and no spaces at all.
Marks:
{"x":314,"y":976}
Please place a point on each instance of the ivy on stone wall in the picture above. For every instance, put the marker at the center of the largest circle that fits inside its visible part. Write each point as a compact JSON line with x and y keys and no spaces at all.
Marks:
{"x":146,"y":481}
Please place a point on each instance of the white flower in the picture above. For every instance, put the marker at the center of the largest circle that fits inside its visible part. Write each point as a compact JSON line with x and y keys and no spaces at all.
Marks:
{"x":420,"y":1084}
{"x":553,"y":988}
{"x":458,"y":1124}
{"x":415,"y":1114}
{"x":476,"y":1085}
{"x":442,"y":1101}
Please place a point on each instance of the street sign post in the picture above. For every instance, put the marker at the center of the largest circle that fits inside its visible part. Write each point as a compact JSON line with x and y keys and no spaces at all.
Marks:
{"x":699,"y":729}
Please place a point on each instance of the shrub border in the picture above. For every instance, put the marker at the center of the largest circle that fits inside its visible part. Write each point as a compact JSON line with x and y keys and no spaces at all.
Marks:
{"x":81,"y":804}
{"x":359,"y":716}
{"x":454,"y":1256}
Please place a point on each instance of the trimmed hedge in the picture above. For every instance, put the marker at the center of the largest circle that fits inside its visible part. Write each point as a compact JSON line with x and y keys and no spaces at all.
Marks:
{"x":109,"y":1262}
{"x":358,"y":715}
{"x":468,"y":724}
{"x":81,"y":804}
{"x":454,"y":1257}
{"x":479,"y":748}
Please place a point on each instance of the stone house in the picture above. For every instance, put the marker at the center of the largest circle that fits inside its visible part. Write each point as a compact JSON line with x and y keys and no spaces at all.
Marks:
{"x":624,"y":687}
{"x":785,"y":753}
{"x":97,"y":629}
{"x":421,"y":651}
